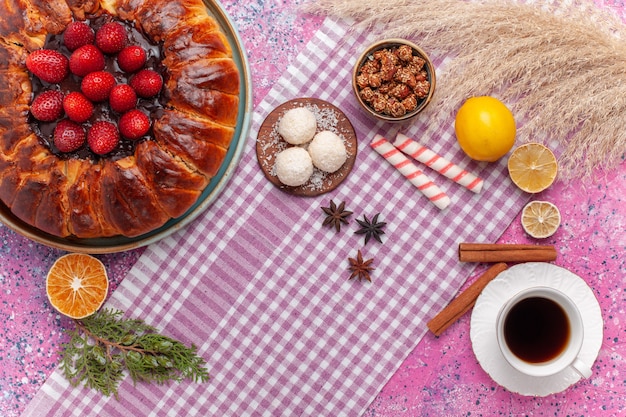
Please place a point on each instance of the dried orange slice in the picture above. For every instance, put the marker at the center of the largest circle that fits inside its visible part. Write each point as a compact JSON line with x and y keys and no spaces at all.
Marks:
{"x":532,"y":167}
{"x":77,"y":285}
{"x":540,"y":219}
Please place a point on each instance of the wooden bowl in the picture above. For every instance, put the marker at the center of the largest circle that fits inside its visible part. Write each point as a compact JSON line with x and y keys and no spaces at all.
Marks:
{"x":368,"y":56}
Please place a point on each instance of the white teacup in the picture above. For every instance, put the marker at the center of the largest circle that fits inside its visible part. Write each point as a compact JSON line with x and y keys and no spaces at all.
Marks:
{"x":540,"y":333}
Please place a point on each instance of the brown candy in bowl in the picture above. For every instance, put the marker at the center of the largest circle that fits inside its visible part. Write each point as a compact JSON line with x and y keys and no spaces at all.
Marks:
{"x":393,"y":80}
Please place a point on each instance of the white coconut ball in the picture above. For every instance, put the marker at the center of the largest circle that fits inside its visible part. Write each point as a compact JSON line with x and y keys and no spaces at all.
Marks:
{"x":293,"y":166}
{"x":297,"y":126}
{"x":327,"y":151}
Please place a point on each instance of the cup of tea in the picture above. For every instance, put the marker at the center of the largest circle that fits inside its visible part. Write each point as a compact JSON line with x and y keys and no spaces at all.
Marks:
{"x":540,"y":333}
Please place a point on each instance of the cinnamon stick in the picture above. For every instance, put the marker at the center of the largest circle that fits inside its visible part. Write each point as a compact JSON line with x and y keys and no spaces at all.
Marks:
{"x":464,"y":301}
{"x":505,"y":252}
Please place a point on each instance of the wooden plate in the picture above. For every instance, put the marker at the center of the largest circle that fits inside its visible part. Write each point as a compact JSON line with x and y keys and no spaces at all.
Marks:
{"x":269,"y":143}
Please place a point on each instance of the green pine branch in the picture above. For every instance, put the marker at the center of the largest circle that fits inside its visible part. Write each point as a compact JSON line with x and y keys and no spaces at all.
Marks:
{"x":104,"y":345}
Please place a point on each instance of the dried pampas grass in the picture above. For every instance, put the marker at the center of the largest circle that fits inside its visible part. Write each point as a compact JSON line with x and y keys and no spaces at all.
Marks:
{"x":562,"y":69}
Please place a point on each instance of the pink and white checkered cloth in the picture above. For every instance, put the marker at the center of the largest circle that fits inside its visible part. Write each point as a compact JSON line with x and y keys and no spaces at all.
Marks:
{"x":262,"y":288}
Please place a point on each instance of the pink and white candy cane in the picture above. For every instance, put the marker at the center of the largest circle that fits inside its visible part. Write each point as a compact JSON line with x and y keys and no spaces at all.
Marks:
{"x":441,"y":165}
{"x":410,"y":171}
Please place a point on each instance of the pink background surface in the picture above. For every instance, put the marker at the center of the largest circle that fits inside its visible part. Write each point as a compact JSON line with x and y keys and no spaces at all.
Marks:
{"x":441,"y":376}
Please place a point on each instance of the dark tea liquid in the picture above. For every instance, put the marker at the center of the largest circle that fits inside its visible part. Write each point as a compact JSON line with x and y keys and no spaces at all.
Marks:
{"x":536,"y":329}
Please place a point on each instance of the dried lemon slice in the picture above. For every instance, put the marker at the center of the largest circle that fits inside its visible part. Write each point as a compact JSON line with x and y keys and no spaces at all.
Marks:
{"x":532,"y":167}
{"x":540,"y":219}
{"x":77,"y":285}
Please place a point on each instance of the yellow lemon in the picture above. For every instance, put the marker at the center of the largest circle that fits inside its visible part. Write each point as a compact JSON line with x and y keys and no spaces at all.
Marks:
{"x":485,"y":128}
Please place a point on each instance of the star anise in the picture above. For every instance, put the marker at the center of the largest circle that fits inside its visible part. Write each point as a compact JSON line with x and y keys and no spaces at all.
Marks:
{"x":360,"y":269}
{"x":371,"y":229}
{"x":335,"y":215}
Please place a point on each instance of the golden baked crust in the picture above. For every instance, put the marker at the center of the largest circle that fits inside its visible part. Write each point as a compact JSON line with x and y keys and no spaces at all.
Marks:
{"x":130,"y":195}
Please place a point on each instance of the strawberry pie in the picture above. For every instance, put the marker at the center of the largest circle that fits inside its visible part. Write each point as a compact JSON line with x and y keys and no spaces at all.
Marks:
{"x":114,"y":116}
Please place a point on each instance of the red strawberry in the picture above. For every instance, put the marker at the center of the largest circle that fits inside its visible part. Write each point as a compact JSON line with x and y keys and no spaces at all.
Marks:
{"x":103,"y":137}
{"x":68,"y":136}
{"x":97,"y":86}
{"x":122,"y":98}
{"x":134,"y":124}
{"x":47,"y":106}
{"x":86,"y":59}
{"x":77,"y":107}
{"x":78,"y":34}
{"x":132,"y":58}
{"x":111,"y":38}
{"x":147,"y":83}
{"x":49,"y":65}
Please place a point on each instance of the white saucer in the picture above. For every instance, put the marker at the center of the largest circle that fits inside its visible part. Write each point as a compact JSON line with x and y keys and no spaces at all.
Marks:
{"x":503,"y":287}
